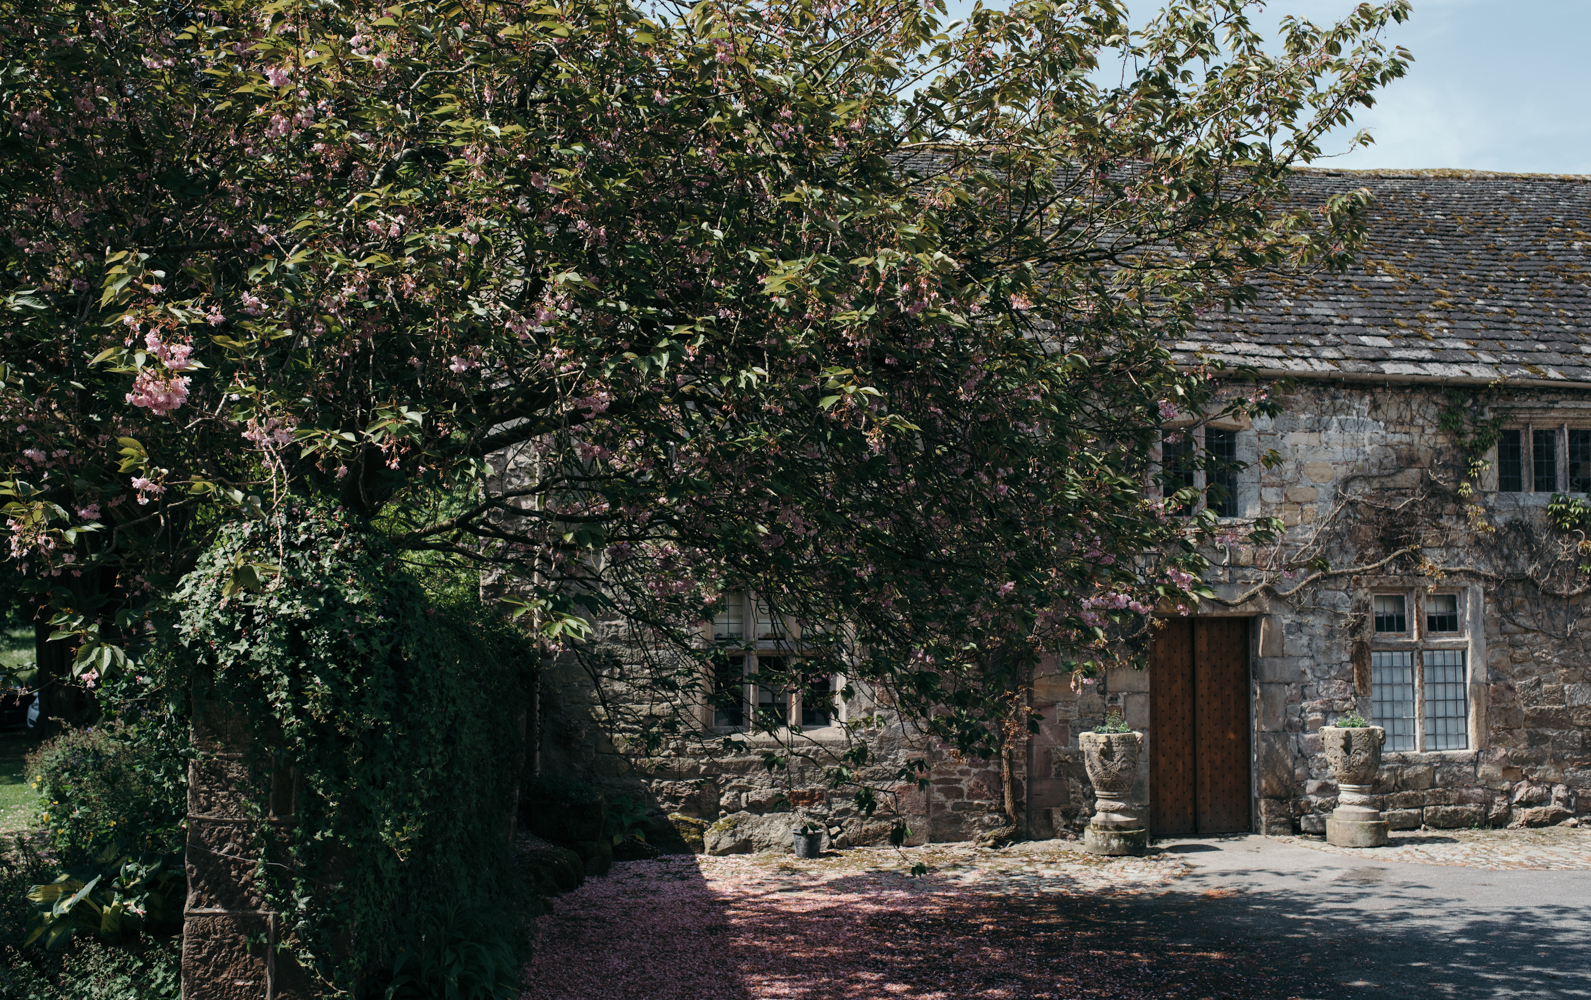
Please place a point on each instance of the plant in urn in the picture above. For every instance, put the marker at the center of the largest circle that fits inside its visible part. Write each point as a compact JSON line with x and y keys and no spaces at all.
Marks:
{"x":1110,"y":753}
{"x":1353,"y":749}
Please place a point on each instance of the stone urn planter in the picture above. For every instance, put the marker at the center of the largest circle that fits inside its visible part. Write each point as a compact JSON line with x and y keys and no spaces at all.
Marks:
{"x":1112,"y":762}
{"x":1354,"y":753}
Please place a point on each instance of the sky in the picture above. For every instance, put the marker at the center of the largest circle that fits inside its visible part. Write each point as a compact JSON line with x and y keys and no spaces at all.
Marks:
{"x":1496,"y":85}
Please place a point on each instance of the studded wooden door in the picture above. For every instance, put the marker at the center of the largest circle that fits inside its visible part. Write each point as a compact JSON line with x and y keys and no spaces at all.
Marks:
{"x":1199,"y":727}
{"x":1171,"y":756}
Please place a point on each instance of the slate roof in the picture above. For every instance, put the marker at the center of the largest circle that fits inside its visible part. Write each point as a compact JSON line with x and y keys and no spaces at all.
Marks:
{"x":1466,"y":277}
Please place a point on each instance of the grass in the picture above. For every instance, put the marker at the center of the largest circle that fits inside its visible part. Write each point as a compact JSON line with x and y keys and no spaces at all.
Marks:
{"x":16,"y":654}
{"x":19,"y":804}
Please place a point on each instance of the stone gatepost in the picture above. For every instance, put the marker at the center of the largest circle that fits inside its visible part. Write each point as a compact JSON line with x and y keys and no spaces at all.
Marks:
{"x":229,"y":937}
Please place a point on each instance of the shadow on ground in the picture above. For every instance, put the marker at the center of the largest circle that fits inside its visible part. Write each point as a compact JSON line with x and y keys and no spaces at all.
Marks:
{"x":1393,"y":930}
{"x":660,"y":931}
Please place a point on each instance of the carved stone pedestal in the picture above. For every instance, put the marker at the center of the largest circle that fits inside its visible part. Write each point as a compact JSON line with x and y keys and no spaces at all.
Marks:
{"x":1354,"y":754}
{"x":1355,"y":822}
{"x":1112,"y":762}
{"x":1115,"y":843}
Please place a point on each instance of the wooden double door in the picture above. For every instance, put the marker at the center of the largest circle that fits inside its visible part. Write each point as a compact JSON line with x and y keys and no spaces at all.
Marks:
{"x":1199,"y":759}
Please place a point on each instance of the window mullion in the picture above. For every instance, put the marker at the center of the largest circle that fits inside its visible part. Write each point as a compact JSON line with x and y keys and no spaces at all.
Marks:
{"x":1563,"y":458}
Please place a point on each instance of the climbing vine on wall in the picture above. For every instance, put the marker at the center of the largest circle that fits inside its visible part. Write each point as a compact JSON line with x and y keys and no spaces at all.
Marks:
{"x":1463,"y":416}
{"x":396,"y":715}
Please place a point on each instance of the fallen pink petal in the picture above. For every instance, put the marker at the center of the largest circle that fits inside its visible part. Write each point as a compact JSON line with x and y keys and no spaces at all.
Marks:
{"x":981,"y":924}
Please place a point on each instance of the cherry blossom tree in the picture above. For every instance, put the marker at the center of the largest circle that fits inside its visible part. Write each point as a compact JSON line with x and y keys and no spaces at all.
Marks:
{"x":841,"y":302}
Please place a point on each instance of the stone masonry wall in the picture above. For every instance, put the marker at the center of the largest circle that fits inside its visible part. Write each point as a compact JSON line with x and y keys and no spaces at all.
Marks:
{"x":1365,"y":470}
{"x":1360,"y":472}
{"x":704,"y":780}
{"x":229,"y":936}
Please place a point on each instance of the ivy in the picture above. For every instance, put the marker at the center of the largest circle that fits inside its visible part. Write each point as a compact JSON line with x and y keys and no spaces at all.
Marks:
{"x":396,"y":715}
{"x":1462,"y":416}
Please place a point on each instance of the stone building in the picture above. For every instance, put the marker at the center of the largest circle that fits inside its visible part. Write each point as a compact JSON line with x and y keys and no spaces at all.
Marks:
{"x":1439,"y":398}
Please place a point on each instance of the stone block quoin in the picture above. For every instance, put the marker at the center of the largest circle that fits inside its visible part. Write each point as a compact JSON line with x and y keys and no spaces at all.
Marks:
{"x":229,"y":936}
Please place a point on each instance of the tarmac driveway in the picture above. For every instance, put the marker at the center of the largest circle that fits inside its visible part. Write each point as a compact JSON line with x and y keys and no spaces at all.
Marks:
{"x":1384,"y":927}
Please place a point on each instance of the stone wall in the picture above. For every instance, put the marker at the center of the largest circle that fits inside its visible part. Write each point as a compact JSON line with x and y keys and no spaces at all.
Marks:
{"x":701,"y":778}
{"x":1361,"y":471}
{"x":1366,"y":470}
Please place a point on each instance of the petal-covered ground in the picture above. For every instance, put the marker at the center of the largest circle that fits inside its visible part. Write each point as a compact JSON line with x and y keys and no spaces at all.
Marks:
{"x":1029,"y":922}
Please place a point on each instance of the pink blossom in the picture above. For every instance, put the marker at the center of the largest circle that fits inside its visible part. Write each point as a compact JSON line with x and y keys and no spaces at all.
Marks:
{"x":273,"y":430}
{"x":173,"y":356}
{"x":278,"y":77}
{"x":89,"y":513}
{"x":146,"y":489}
{"x":158,"y":392}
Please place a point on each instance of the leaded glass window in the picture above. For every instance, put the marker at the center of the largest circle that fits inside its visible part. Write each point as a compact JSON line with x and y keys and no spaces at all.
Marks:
{"x":1510,"y":462}
{"x":1391,"y":613}
{"x":1544,"y":460}
{"x":1441,"y":613}
{"x":1220,"y":448}
{"x":1392,"y":696}
{"x":1446,"y":701}
{"x":1419,"y":671}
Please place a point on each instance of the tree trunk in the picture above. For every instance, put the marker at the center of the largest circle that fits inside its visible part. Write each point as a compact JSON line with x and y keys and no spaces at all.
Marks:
{"x":1011,"y":829}
{"x":55,"y":694}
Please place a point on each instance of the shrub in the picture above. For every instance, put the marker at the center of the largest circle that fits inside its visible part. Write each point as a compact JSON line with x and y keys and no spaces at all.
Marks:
{"x":400,"y":718}
{"x":120,"y":899}
{"x":143,"y":967}
{"x":109,"y":785}
{"x":1113,"y":723}
{"x":1353,"y":720}
{"x":562,"y":810}
{"x":450,"y":953}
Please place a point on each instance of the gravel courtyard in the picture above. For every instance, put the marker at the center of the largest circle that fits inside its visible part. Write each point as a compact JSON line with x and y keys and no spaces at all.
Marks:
{"x":1459,"y":914}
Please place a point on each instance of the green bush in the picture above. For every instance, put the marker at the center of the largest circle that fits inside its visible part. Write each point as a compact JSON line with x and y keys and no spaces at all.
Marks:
{"x":141,"y":968}
{"x":110,"y":785}
{"x":450,"y":953}
{"x":1113,"y":723}
{"x":400,"y":717}
{"x":562,"y":810}
{"x":120,"y":899}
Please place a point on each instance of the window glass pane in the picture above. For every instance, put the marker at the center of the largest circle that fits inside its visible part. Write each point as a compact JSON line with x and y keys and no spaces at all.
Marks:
{"x":1391,"y":613}
{"x":729,"y":692}
{"x":1510,"y":463}
{"x":769,"y":625}
{"x":730,"y":623}
{"x":1446,"y":701}
{"x":1441,"y":613}
{"x":773,"y":692}
{"x":1579,"y":461}
{"x":1392,"y":697}
{"x":1544,"y":460}
{"x":817,"y":699}
{"x":1176,"y":461}
{"x":1220,"y":448}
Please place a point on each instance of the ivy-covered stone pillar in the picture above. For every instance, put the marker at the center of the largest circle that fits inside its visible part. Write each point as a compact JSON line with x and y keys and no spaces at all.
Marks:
{"x":229,"y":935}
